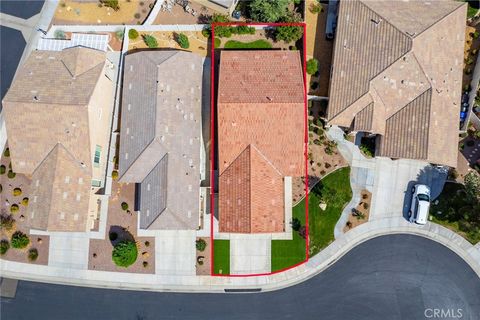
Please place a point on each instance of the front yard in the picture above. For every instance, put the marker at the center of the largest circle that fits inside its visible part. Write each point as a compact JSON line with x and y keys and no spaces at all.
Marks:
{"x":333,"y":190}
{"x":221,"y":256}
{"x":453,"y":209}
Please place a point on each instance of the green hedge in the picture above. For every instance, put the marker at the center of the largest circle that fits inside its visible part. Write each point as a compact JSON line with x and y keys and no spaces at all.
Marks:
{"x":125,"y":253}
{"x":258,"y":44}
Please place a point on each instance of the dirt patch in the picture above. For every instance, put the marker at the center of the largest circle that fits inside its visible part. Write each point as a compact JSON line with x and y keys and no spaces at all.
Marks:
{"x":166,"y":39}
{"x":124,"y":224}
{"x":361,"y":212}
{"x":80,"y":13}
{"x":323,"y":157}
{"x":203,"y":259}
{"x":178,"y":15}
{"x":7,"y":199}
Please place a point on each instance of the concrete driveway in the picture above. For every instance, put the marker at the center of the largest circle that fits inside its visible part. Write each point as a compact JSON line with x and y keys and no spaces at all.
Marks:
{"x":393,"y":182}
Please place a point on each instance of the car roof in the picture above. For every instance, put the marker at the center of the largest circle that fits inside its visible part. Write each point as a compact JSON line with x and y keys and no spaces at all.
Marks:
{"x":421,"y":188}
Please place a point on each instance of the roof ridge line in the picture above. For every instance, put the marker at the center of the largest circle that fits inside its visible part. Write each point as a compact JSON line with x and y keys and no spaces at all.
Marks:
{"x":266,"y":159}
{"x":408,"y":103}
{"x":446,"y":15}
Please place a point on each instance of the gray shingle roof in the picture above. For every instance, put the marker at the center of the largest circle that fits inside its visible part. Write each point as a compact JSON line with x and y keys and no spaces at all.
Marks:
{"x":160,"y":135}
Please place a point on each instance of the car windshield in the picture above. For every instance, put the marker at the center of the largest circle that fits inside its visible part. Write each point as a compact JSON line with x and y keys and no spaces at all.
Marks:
{"x":423,"y":197}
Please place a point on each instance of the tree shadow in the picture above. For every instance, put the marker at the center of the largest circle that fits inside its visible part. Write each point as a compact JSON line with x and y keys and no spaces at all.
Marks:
{"x":117,"y":234}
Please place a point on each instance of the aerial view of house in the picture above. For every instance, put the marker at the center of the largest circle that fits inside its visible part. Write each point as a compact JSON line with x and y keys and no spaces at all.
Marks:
{"x":261,"y":116}
{"x":201,"y":159}
{"x":160,"y":136}
{"x":57,"y":115}
{"x":402,"y":62}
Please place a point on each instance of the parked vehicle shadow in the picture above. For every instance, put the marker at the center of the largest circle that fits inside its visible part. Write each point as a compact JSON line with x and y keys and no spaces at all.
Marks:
{"x":407,"y":200}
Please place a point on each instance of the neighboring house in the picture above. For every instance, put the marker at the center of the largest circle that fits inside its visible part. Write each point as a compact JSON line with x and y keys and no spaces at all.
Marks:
{"x":222,"y":6}
{"x":57,"y":113}
{"x":397,"y":73}
{"x":261,"y":131}
{"x":160,"y":136}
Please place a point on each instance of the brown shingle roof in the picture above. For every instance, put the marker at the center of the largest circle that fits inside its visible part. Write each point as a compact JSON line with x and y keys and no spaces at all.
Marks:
{"x":389,"y":53}
{"x":260,"y":137}
{"x":47,"y":119}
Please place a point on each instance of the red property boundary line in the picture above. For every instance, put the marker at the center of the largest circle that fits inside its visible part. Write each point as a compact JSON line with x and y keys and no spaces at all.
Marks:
{"x":212,"y":145}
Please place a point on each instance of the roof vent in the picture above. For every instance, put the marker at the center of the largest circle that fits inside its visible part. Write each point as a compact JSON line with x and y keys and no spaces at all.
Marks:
{"x":376,"y":21}
{"x":35,"y":98}
{"x":270,"y":99}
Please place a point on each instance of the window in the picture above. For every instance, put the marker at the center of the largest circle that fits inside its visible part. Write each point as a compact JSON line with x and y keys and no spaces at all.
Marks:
{"x":96,"y":183}
{"x":96,"y":159}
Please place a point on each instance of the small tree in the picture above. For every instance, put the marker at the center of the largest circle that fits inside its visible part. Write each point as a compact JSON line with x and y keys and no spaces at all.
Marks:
{"x":4,"y":246}
{"x":20,"y":240}
{"x":201,"y":244}
{"x":182,"y":40}
{"x":32,"y":254}
{"x":289,"y":33}
{"x":132,"y":34}
{"x":312,"y":66}
{"x":472,"y":186}
{"x":150,"y":41}
{"x":125,"y":253}
{"x":268,"y":10}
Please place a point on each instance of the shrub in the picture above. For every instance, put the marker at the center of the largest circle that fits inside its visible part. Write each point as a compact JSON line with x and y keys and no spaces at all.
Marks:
{"x":32,"y":254}
{"x":349,"y":225}
{"x":14,"y":208}
{"x":150,"y":41}
{"x":182,"y":40}
{"x":124,"y":206}
{"x":145,"y":264}
{"x":312,"y":66}
{"x":59,"y":34}
{"x":113,"y":236}
{"x":3,"y":169}
{"x":17,"y":191}
{"x":293,"y":48}
{"x":268,"y":10}
{"x":119,"y":34}
{"x":111,"y":3}
{"x":4,"y":246}
{"x":20,"y":240}
{"x":296,"y":224}
{"x":11,"y":174}
{"x":147,"y":243}
{"x":7,"y":222}
{"x":114,"y":174}
{"x":243,"y":30}
{"x":132,"y":34}
{"x":217,"y":43}
{"x":206,"y":32}
{"x":302,"y":232}
{"x":365,"y":206}
{"x":125,"y":253}
{"x":137,"y":15}
{"x":221,"y":31}
{"x":314,"y":85}
{"x":201,"y":244}
{"x":316,"y":8}
{"x":6,"y":153}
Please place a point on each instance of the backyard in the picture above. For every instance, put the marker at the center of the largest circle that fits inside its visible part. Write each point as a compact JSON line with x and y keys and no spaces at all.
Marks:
{"x":334,"y":191}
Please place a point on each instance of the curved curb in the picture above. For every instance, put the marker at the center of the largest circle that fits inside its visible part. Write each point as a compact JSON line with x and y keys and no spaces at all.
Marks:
{"x":317,"y":264}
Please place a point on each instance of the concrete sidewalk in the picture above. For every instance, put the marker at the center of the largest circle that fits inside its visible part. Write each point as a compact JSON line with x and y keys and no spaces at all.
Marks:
{"x":191,"y":283}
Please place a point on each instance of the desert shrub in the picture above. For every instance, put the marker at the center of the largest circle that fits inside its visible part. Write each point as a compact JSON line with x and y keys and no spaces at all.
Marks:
{"x":14,"y":208}
{"x":364,"y":196}
{"x":365,"y":206}
{"x":150,"y":41}
{"x":4,"y":246}
{"x":315,"y":8}
{"x":7,"y":221}
{"x":132,"y":34}
{"x":125,"y":253}
{"x":137,"y":15}
{"x":6,"y":153}
{"x":124,"y":206}
{"x":145,"y":264}
{"x":111,"y":4}
{"x":296,"y":224}
{"x":327,"y":165}
{"x":24,"y":202}
{"x":147,"y":243}
{"x":3,"y":169}
{"x":114,"y":174}
{"x":20,"y":240}
{"x":11,"y":174}
{"x":32,"y":254}
{"x":17,"y":192}
{"x":182,"y":40}
{"x":113,"y":236}
{"x":317,"y":142}
{"x":312,"y":66}
{"x":349,"y":225}
{"x":201,"y":244}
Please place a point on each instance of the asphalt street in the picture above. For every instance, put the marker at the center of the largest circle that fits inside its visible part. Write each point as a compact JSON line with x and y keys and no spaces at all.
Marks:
{"x":11,"y":49}
{"x":21,"y":8}
{"x":390,"y":277}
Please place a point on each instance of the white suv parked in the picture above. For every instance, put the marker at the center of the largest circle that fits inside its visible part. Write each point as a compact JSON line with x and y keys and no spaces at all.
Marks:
{"x":420,"y":206}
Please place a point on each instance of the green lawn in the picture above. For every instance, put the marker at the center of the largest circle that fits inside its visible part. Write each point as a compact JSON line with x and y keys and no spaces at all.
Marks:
{"x":335,"y":188}
{"x":455,"y":211}
{"x":258,"y":44}
{"x":221,"y":252}
{"x":471,"y":11}
{"x":218,"y":43}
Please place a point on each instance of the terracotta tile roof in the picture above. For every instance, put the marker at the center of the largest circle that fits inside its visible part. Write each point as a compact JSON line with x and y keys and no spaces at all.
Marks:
{"x":47,"y":119}
{"x":389,"y":53}
{"x":260,"y":137}
{"x":160,"y":136}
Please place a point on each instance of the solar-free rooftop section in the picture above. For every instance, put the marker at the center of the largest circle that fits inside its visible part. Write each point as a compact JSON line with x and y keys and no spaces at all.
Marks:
{"x":87,"y":40}
{"x":160,"y":135}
